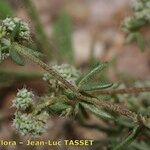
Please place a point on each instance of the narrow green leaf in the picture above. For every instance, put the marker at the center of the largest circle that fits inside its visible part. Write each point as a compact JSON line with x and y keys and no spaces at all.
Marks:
{"x":125,"y":122}
{"x":99,"y":112}
{"x":129,"y":139}
{"x":91,"y":74}
{"x":16,"y":57}
{"x":96,"y":87}
{"x":59,"y":107}
{"x":80,"y":111}
{"x":63,"y":36}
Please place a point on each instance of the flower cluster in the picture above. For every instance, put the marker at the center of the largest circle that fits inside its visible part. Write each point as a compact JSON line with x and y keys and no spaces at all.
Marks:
{"x":23,"y":99}
{"x":28,"y":124}
{"x":142,"y":9}
{"x":9,"y":25}
{"x":12,"y":29}
{"x":140,"y":17}
{"x":66,"y":71}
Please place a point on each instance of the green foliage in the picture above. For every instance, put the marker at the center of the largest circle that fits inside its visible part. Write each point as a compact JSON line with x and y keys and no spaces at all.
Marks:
{"x":92,"y":87}
{"x":63,"y":36}
{"x":84,"y":80}
{"x":98,"y":112}
{"x":70,"y":95}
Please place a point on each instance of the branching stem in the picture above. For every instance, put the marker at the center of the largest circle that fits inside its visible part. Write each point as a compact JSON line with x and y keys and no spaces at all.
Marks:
{"x":122,"y":110}
{"x":79,"y":96}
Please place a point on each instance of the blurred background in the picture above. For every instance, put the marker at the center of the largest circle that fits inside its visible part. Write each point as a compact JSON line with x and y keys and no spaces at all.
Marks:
{"x":78,"y":32}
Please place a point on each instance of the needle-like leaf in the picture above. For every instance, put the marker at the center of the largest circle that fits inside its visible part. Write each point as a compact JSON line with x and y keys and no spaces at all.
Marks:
{"x":91,"y":74}
{"x":99,"y":112}
{"x":96,"y":87}
{"x":129,"y":139}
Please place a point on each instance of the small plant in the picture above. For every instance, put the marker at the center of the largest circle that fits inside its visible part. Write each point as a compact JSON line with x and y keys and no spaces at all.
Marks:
{"x":71,"y":94}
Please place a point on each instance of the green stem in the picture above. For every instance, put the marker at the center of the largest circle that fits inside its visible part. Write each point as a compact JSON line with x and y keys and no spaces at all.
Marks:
{"x":108,"y":105}
{"x":46,"y":67}
{"x":122,"y":110}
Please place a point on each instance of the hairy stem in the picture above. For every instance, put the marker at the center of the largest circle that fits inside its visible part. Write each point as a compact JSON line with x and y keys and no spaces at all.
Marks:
{"x":120,"y":109}
{"x":107,"y":105}
{"x":46,"y":67}
{"x":121,"y":91}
